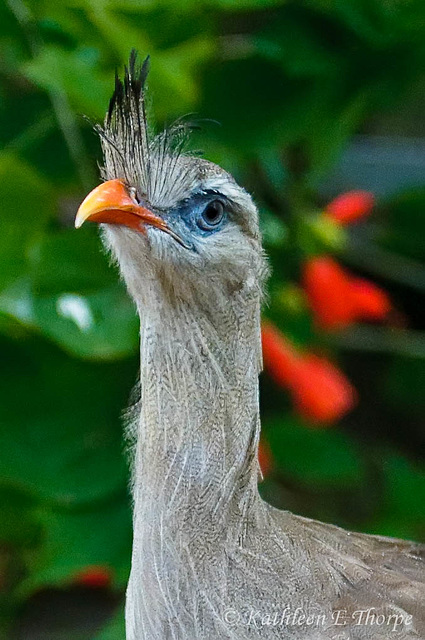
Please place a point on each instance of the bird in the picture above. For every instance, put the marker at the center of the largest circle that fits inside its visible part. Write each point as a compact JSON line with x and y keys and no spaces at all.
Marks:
{"x":211,"y":560}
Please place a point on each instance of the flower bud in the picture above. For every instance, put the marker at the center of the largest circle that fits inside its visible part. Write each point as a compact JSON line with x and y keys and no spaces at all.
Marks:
{"x":350,"y":206}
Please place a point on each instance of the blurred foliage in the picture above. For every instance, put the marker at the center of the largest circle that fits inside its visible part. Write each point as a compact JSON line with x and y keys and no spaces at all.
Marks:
{"x":290,"y":83}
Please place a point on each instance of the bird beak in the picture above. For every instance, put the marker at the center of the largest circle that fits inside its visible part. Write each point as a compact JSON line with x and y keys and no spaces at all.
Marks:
{"x":111,"y":202}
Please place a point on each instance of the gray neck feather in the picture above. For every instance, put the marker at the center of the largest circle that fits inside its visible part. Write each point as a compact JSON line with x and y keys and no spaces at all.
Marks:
{"x":195,"y":467}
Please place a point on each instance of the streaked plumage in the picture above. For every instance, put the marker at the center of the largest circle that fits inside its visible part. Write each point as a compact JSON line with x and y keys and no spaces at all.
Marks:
{"x":211,"y":560}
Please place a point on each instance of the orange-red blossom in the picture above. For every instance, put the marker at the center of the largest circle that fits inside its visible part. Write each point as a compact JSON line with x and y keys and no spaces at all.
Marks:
{"x":320,"y":391}
{"x":94,"y":577}
{"x":350,"y":206}
{"x":339,"y":299}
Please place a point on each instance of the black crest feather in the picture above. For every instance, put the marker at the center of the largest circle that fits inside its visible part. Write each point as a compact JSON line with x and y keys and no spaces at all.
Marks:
{"x":155,"y":165}
{"x":135,"y":77}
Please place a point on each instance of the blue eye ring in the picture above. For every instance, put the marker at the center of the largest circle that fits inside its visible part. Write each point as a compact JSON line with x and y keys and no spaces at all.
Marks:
{"x":212,"y":215}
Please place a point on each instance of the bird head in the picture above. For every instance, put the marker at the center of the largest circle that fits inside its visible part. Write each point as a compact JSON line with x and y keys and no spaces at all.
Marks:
{"x":168,"y":216}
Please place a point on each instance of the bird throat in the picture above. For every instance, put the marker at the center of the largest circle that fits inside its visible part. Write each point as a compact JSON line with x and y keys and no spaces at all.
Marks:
{"x":195,"y":466}
{"x":199,"y":403}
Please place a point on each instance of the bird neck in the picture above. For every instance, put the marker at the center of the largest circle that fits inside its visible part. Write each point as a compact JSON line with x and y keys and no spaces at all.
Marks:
{"x":198,"y":433}
{"x":195,"y":468}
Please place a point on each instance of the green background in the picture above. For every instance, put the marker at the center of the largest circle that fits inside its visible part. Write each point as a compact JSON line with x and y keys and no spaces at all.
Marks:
{"x":290,"y":83}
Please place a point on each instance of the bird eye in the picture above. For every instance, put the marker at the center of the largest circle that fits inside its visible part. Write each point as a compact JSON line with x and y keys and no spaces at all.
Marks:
{"x":212,"y":215}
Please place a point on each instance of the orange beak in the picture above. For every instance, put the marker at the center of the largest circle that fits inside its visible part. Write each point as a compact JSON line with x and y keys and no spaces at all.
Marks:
{"x":110,"y":202}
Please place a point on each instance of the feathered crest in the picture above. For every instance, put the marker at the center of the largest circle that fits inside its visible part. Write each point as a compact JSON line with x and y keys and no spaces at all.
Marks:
{"x":153,"y":164}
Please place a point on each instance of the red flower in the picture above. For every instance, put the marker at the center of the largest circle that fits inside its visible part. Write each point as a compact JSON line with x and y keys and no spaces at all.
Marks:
{"x":265,"y":457}
{"x":280,"y":357}
{"x":328,"y":290}
{"x":350,"y":206}
{"x":95,"y":577}
{"x":372,"y":303}
{"x":337,"y":299}
{"x":320,"y":391}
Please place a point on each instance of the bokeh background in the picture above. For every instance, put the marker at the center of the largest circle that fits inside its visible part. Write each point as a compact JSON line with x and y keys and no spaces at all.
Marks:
{"x":313,"y":99}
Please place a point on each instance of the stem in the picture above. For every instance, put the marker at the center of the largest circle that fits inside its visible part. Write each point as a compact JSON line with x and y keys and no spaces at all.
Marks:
{"x":362,"y":338}
{"x":33,"y":133}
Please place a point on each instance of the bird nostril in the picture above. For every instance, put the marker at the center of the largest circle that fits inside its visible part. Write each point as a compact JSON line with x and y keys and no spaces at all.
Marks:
{"x":135,"y":195}
{"x":140,"y":198}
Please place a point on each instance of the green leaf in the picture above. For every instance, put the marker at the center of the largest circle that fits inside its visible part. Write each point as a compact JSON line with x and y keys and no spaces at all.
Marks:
{"x":26,"y":203}
{"x":117,"y":33}
{"x":314,"y":456}
{"x":63,"y":441}
{"x":77,"y":73}
{"x":403,"y":512}
{"x":244,"y":5}
{"x":404,"y":385}
{"x":100,"y":326}
{"x":19,"y":525}
{"x":327,"y":141}
{"x":77,"y":299}
{"x":175,"y":76}
{"x":404,"y":224}
{"x":115,"y":629}
{"x":98,"y":536}
{"x":274,"y":232}
{"x":71,"y":260}
{"x":229,"y":87}
{"x":74,"y":298}
{"x":294,"y":40}
{"x":406,"y":488}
